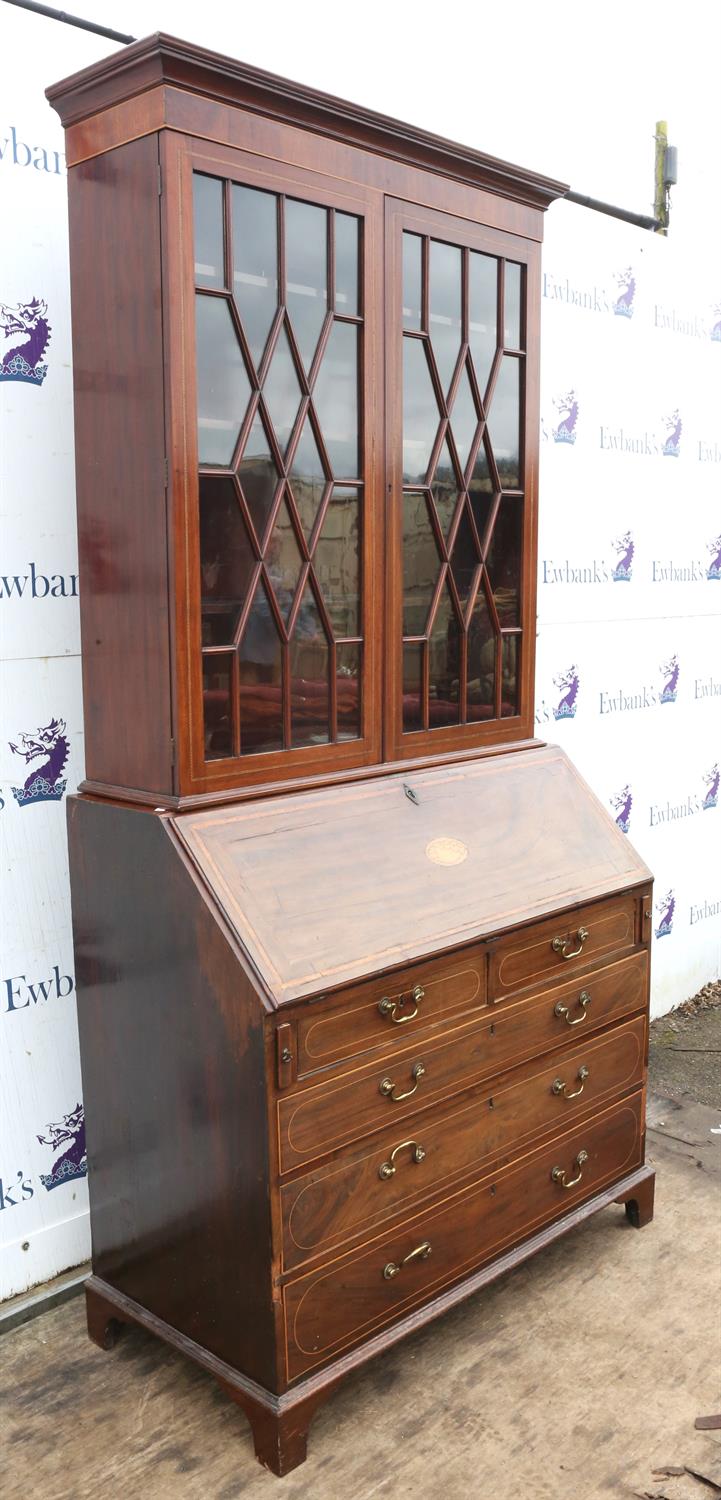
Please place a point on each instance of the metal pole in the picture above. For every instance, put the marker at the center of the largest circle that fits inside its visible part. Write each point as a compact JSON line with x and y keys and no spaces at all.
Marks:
{"x":63,"y":15}
{"x":660,"y":201}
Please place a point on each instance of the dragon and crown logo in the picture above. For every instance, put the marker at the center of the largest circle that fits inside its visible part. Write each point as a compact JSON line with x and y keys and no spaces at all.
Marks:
{"x":624,"y":547}
{"x":670,"y":673}
{"x":567,"y":408}
{"x":70,"y":1132}
{"x":567,"y":684}
{"x":27,"y":334}
{"x":622,"y":802}
{"x":667,"y":908}
{"x":45,"y":782}
{"x":626,"y":283}
{"x":674,"y":428}
{"x":711,"y":782}
{"x":714,"y":568}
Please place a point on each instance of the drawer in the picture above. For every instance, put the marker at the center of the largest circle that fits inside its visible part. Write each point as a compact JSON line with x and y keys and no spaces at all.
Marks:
{"x":388,"y":1011}
{"x":550,"y":950}
{"x":369,"y":1185}
{"x":331,"y":1309}
{"x":329,"y":1115}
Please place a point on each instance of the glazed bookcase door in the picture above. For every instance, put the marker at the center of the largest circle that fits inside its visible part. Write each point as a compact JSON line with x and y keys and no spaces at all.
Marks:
{"x":461,"y":334}
{"x":279,"y":472}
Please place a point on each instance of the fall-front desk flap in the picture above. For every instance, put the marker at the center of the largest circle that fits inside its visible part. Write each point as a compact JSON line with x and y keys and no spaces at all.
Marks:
{"x":332,"y":885}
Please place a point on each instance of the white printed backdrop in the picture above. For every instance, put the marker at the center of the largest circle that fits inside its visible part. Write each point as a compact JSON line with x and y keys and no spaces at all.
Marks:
{"x":629,"y":666}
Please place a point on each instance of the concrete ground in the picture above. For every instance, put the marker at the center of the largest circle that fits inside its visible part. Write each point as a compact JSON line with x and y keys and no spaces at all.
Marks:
{"x":573,"y":1378}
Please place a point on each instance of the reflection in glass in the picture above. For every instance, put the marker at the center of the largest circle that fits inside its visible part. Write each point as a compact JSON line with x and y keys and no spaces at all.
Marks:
{"x":420,"y":564}
{"x":511,"y":651}
{"x":483,"y":300}
{"x":464,"y":558}
{"x":306,"y":273}
{"x":481,"y":662}
{"x":261,"y":696}
{"x":223,"y":385}
{"x":336,"y":400}
{"x":504,"y":560}
{"x":337,"y":562}
{"x":412,"y":245}
{"x":258,"y":476}
{"x":226,"y":560}
{"x":444,"y":489}
{"x":282,"y":390}
{"x":480,"y":482}
{"x":348,"y":682}
{"x":346,"y":264}
{"x":464,"y":419}
{"x":283,"y":560}
{"x":307,"y":477}
{"x":309,"y":692}
{"x":504,"y":423}
{"x":445,"y":307}
{"x":255,"y":263}
{"x":217,"y":706}
{"x":412,"y":670}
{"x":481,"y":504}
{"x":208,"y":218}
{"x":512,"y":299}
{"x":444,"y":662}
{"x":420,"y":412}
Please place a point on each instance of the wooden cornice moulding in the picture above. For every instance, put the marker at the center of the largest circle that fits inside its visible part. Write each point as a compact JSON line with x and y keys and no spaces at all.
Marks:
{"x":166,"y":60}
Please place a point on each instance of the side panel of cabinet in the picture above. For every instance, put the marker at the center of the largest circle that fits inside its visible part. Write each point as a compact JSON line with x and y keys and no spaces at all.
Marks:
{"x":115,"y":261}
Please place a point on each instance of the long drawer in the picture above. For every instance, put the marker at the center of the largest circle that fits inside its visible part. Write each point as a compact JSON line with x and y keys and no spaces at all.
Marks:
{"x":341,"y":1305}
{"x":314,"y":1121}
{"x":374,"y":1181}
{"x":551,"y":950}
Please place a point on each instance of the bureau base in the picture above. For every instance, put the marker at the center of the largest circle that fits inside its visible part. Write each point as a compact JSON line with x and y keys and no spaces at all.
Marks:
{"x":280,"y":1423}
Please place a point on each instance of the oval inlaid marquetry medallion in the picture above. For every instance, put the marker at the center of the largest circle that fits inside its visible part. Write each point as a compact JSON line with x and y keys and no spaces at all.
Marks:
{"x":446,"y":851}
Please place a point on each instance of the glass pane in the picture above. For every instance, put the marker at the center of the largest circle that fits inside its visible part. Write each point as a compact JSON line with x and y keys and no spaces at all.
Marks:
{"x":412,"y":264}
{"x":223,"y":385}
{"x":464,"y":419}
{"x":261,"y":680}
{"x":511,"y":651}
{"x":282,"y":390}
{"x":504,"y":560}
{"x":348,"y":690}
{"x":217,"y":706}
{"x":481,"y":482}
{"x":504,"y":424}
{"x":309,"y":695}
{"x":444,"y":489}
{"x":337,"y":562}
{"x":445,"y":307}
{"x":258,"y":476}
{"x":336,"y":400}
{"x":412,"y":668}
{"x":420,"y":564}
{"x":255,"y":263}
{"x":307,"y":477}
{"x":444,"y":654}
{"x":512,"y":298}
{"x":226,"y":560}
{"x":346,"y":264}
{"x":481,"y":505}
{"x":481,"y":662}
{"x":306,"y":273}
{"x":420,"y":412}
{"x":464,"y":558}
{"x":208,"y":217}
{"x":483,"y":301}
{"x":283,"y":560}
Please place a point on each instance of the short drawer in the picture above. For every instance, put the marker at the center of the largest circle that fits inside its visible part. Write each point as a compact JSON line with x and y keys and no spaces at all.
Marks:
{"x":353,"y":1194}
{"x":329,"y":1115}
{"x":331,"y":1309}
{"x":388,"y":1011}
{"x":549,"y":951}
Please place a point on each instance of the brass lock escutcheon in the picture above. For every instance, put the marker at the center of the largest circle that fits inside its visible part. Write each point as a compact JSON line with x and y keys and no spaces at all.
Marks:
{"x":393,"y":1267}
{"x":584,"y":1000}
{"x":559,"y":1087}
{"x":558,"y":1174}
{"x":559,"y":944}
{"x":388,"y":1088}
{"x":388,"y":1006}
{"x":388,"y":1168}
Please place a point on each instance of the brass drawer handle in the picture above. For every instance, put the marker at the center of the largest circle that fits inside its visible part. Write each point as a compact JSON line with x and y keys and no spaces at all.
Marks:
{"x":560,"y":1009}
{"x":388,"y":1007}
{"x":559,"y":944}
{"x":559,"y":1173}
{"x":393,"y":1267}
{"x":388,"y":1168}
{"x":387,"y":1086}
{"x":559,"y":1087}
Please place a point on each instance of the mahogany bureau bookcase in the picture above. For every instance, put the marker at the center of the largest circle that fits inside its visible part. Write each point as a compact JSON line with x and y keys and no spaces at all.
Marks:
{"x":363,"y":966}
